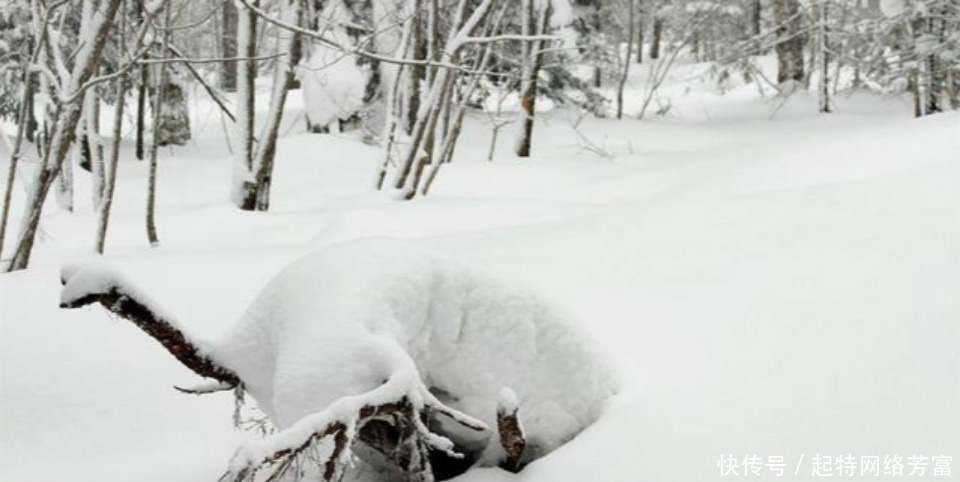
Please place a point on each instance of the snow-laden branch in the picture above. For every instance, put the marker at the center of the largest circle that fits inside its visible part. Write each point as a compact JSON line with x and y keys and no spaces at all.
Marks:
{"x":358,"y":50}
{"x":84,"y":285}
{"x":211,"y":60}
{"x":511,"y":37}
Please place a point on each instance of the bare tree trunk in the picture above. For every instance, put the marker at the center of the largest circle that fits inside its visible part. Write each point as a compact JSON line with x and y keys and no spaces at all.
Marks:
{"x":657,"y":35}
{"x":103,"y":213}
{"x":158,"y":109}
{"x":953,"y":88}
{"x":755,"y":15}
{"x":626,"y":63}
{"x":437,"y":97}
{"x":92,"y":125}
{"x":244,"y":182}
{"x":393,"y":107}
{"x":283,"y":76}
{"x":789,"y":41}
{"x":175,"y":114}
{"x":532,"y":61}
{"x":228,"y":46}
{"x":141,"y":110}
{"x":141,"y":95}
{"x":423,"y":155}
{"x":934,"y":75}
{"x":111,"y":168}
{"x":67,"y":118}
{"x":640,"y":28}
{"x":597,"y":28}
{"x":824,"y":58}
{"x":913,"y":85}
{"x":453,"y":133}
{"x":31,"y":114}
{"x":416,"y":72}
{"x":22,"y":128}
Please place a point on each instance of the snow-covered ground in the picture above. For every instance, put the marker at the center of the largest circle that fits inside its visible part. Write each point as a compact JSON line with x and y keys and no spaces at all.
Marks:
{"x":767,"y":283}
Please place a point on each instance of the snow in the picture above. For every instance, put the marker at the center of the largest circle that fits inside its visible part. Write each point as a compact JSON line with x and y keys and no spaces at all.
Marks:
{"x":767,"y":280}
{"x":333,"y":85}
{"x":892,"y":8}
{"x":507,"y":403}
{"x":338,"y":322}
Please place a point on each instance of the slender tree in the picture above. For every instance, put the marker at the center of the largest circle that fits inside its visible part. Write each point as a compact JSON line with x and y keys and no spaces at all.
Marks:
{"x":158,"y":109}
{"x":789,"y":46}
{"x":244,"y":180}
{"x":68,"y":113}
{"x":103,"y":213}
{"x":631,"y":6}
{"x":535,"y":23}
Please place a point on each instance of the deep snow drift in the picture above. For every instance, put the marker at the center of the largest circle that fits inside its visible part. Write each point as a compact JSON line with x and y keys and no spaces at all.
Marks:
{"x":770,"y":286}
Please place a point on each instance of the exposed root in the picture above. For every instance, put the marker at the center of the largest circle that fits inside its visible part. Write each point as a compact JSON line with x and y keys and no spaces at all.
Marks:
{"x":393,"y":402}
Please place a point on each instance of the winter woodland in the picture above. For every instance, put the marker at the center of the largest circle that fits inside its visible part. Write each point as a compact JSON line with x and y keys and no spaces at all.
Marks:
{"x":479,"y":240}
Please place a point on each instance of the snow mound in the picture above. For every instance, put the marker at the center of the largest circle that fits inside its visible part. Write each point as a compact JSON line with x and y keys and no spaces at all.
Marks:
{"x":342,"y":321}
{"x":333,"y":85}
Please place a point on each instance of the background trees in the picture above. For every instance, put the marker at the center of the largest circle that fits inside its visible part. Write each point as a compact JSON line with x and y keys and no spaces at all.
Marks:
{"x":413,"y":69}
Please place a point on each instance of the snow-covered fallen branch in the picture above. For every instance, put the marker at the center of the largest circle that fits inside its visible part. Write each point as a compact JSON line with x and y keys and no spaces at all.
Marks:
{"x":408,"y":353}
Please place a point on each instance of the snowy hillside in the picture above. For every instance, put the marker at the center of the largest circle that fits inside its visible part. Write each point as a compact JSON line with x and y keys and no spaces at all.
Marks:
{"x":766,"y":280}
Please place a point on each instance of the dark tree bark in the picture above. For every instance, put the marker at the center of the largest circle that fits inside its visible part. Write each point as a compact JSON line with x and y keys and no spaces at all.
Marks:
{"x":533,"y":59}
{"x":155,"y":139}
{"x":174,"y":122}
{"x":626,"y":62}
{"x":824,"y":59}
{"x":103,"y":219}
{"x":755,"y":15}
{"x":789,"y":41}
{"x":936,"y":28}
{"x":141,"y":110}
{"x":228,"y":46}
{"x":141,"y":96}
{"x":640,"y":28}
{"x":283,"y":77}
{"x":597,"y":19}
{"x":245,"y":188}
{"x":416,"y":72}
{"x":657,"y":35}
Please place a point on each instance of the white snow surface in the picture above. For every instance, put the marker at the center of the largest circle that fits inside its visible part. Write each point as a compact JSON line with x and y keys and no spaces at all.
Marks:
{"x":767,"y":280}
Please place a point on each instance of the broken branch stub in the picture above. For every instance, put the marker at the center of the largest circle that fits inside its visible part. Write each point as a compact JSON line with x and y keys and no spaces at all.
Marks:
{"x":512,"y":438}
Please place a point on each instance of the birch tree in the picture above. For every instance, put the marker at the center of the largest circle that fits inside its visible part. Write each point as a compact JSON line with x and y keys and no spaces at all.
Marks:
{"x":283,"y":78}
{"x":110,"y":168}
{"x":155,"y":138}
{"x":789,"y":46}
{"x":535,"y":23}
{"x":67,"y":116}
{"x":244,"y":191}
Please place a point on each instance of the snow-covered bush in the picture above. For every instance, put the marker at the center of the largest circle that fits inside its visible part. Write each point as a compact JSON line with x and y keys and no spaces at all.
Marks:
{"x":333,"y":86}
{"x":368,"y":332}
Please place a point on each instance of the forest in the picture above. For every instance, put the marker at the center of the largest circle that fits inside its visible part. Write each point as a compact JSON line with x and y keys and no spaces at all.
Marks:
{"x":479,"y":240}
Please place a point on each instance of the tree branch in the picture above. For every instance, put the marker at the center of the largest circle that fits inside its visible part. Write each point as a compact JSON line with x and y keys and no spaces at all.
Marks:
{"x":120,"y":300}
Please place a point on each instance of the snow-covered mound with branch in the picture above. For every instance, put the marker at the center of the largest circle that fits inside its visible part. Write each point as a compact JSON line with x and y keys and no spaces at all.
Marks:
{"x":381,"y":320}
